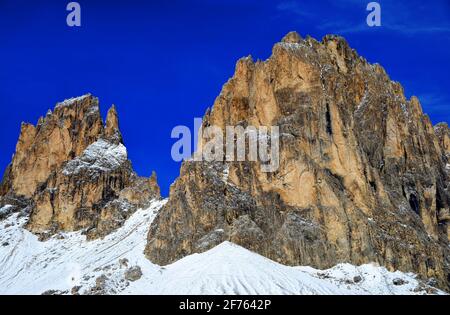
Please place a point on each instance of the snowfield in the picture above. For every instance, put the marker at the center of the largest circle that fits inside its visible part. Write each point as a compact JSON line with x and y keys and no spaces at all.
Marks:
{"x":68,"y":264}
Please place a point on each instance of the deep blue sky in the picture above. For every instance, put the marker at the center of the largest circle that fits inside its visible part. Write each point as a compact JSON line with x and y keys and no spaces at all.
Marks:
{"x":164,"y":62}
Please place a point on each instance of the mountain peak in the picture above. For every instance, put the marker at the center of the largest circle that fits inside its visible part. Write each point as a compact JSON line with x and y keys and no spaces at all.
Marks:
{"x":72,"y":172}
{"x":74,"y":100}
{"x":112,"y":125}
{"x":292,"y":37}
{"x":353,"y":183}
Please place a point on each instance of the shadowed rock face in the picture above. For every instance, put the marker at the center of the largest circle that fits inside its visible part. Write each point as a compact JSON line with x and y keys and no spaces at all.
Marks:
{"x":362,"y":174}
{"x":71,"y":172}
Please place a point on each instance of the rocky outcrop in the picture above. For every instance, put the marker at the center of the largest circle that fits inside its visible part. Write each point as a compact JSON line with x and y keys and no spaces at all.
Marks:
{"x":72,"y":172}
{"x":443,"y":133}
{"x":362,"y":174}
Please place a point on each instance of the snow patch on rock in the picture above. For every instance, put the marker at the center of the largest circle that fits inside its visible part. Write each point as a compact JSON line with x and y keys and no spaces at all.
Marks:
{"x":100,"y":156}
{"x":226,"y":173}
{"x":363,"y":103}
{"x":72,"y":100}
{"x":5,"y":209}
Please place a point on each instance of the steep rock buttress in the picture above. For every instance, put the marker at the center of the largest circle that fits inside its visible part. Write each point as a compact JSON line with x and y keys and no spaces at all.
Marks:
{"x":362,"y":174}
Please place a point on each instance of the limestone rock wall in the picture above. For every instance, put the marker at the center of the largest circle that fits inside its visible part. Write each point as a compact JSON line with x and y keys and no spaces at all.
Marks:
{"x":362,"y":174}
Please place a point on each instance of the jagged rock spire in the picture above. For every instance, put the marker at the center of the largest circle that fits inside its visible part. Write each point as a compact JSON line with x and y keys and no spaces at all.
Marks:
{"x":112,"y":130}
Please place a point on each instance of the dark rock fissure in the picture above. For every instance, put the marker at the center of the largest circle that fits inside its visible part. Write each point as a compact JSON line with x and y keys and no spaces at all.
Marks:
{"x":328,"y":120}
{"x":414,"y":203}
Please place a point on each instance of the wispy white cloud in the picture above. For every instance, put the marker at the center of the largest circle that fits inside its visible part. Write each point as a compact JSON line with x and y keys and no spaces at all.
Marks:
{"x":413,"y":30}
{"x":436,"y":105}
{"x":397,"y":17}
{"x":347,"y":28}
{"x":293,"y":7}
{"x":434,"y":101}
{"x":343,"y":28}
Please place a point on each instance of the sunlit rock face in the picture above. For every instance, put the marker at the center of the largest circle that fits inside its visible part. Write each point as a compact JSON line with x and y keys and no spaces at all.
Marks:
{"x":362,"y":174}
{"x":72,"y":172}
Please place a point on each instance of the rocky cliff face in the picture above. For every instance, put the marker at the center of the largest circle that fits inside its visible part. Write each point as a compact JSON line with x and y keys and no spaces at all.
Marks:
{"x":443,"y":133}
{"x":71,"y":172}
{"x":362,"y":174}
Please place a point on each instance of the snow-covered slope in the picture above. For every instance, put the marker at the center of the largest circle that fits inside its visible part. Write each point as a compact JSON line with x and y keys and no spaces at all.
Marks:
{"x":67,"y":264}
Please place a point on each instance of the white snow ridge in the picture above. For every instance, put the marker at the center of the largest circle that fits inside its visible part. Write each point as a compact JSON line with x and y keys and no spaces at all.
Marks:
{"x":72,"y":100}
{"x":68,"y":264}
